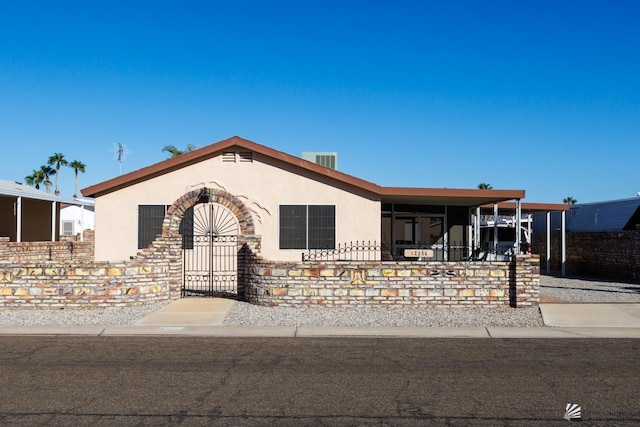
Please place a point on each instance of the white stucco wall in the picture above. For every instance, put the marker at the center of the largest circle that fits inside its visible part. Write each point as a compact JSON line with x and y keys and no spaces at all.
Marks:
{"x":83,"y":218}
{"x":262,"y":185}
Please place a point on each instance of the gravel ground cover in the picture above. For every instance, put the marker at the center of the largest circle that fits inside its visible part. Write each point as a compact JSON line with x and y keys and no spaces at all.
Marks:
{"x":552,"y":289}
{"x":559,"y":289}
{"x":244,"y":314}
{"x":111,"y":316}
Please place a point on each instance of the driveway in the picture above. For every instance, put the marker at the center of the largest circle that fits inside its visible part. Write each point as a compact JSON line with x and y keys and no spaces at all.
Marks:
{"x":589,"y":303}
{"x":566,"y":290}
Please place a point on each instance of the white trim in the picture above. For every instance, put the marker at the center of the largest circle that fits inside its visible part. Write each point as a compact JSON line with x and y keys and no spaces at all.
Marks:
{"x":471,"y":220}
{"x":53,"y":221}
{"x":564,"y":245}
{"x":82,"y":223}
{"x":477,"y":227}
{"x":18,"y":213}
{"x":518,"y":225}
{"x":495,"y":227}
{"x":548,"y":242}
{"x":445,"y":242}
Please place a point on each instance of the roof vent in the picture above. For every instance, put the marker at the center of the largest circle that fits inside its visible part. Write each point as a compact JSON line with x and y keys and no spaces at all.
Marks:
{"x":246,"y":156}
{"x":229,"y":157}
{"x":237,"y":157}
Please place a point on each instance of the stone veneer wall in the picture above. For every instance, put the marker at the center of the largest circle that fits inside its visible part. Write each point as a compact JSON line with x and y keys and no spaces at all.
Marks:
{"x":610,"y":255}
{"x":513,"y":283}
{"x":34,"y":275}
{"x":154,"y":274}
{"x":69,"y":248}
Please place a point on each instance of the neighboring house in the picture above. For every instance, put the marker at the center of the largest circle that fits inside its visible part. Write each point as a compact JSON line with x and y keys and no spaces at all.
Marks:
{"x":601,"y":239}
{"x":612,"y":215}
{"x":74,"y":219}
{"x":293,"y":204}
{"x":28,"y":214}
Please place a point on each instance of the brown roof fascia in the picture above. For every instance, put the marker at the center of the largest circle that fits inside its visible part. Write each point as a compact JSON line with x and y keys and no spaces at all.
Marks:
{"x":532,"y":207}
{"x":452,"y":192}
{"x":209,"y":151}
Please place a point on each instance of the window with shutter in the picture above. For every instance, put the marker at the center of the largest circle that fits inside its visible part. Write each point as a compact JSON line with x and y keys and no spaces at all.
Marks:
{"x":307,"y":227}
{"x":150,"y":218}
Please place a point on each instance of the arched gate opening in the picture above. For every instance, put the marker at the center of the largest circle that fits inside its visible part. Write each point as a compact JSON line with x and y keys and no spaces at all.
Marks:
{"x":213,"y":225}
{"x":210,"y":251}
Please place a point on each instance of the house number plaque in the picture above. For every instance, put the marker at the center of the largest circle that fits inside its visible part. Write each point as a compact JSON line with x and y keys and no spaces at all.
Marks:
{"x":418,"y":253}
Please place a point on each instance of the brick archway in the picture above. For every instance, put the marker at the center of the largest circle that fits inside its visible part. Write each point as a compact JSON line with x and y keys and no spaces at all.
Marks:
{"x":236,"y":206}
{"x":248,"y":244}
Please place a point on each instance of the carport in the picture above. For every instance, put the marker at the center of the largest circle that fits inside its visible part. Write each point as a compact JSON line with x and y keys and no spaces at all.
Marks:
{"x":528,"y":213}
{"x":28,"y":214}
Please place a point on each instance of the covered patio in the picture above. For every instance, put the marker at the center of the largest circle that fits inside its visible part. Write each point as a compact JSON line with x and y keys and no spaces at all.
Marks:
{"x":439,"y":224}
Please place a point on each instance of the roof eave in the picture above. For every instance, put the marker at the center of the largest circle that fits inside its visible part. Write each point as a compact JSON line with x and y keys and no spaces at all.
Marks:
{"x":449,"y":196}
{"x":532,"y":207}
{"x":209,"y":151}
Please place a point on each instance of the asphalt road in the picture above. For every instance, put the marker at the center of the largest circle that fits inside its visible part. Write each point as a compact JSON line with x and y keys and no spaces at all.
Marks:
{"x":135,"y":381}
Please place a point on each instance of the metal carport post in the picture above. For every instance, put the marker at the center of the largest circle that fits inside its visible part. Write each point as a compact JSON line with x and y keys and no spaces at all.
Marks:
{"x":19,"y":219}
{"x":563,"y":242}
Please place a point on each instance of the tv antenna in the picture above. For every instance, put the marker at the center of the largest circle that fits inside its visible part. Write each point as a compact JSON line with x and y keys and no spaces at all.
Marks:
{"x":120,"y":153}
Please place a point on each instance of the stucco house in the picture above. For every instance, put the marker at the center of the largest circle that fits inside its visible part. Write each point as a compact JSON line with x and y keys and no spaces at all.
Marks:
{"x":295,"y":204}
{"x":240,"y":219}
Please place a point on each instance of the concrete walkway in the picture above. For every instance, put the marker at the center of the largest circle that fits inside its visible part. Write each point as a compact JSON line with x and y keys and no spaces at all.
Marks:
{"x":616,"y":315}
{"x":205,"y":317}
{"x":190,"y":312}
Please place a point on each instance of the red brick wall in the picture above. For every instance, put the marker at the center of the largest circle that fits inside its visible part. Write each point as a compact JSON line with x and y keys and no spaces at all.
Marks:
{"x":607,"y":255}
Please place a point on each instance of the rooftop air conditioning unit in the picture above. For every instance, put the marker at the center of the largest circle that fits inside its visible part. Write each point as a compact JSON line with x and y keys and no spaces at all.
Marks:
{"x":326,"y":159}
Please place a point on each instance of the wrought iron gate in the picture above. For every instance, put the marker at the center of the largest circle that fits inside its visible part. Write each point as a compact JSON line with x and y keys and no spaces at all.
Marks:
{"x":210,"y":248}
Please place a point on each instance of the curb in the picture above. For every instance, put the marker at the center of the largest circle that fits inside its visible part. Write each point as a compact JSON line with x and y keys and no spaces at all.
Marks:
{"x":322,"y":332}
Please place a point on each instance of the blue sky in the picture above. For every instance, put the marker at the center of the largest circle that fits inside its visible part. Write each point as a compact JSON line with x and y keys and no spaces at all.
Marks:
{"x":542,"y":96}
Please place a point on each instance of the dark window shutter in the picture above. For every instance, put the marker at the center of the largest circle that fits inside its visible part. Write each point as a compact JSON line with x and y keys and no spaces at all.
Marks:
{"x":322,"y":227}
{"x":150,"y":218}
{"x":186,"y":229}
{"x":293,"y":227}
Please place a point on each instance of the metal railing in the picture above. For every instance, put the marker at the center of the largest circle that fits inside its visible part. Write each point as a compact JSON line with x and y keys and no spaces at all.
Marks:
{"x":352,"y":251}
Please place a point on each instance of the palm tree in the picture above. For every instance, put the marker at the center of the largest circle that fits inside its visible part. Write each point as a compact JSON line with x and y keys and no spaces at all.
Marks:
{"x":77,"y":166}
{"x":174,"y":151}
{"x":485,"y":186}
{"x":36,"y":178}
{"x":58,"y":160}
{"x":570,"y":200}
{"x":46,"y":172}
